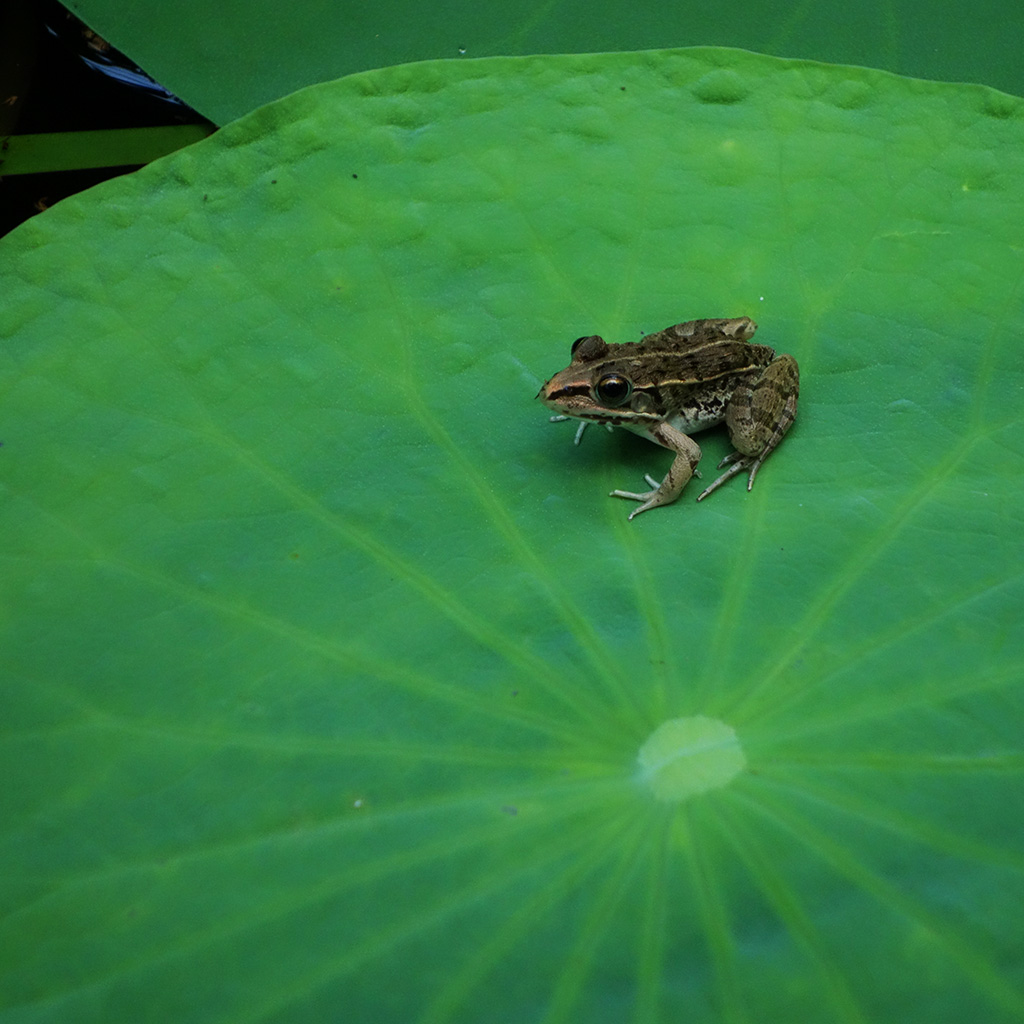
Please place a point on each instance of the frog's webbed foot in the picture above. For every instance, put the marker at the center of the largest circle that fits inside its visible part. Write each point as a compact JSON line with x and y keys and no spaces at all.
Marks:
{"x":737,"y":463}
{"x":651,"y":499}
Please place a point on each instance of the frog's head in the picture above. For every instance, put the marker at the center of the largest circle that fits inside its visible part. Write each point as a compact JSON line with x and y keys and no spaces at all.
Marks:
{"x":596,"y":385}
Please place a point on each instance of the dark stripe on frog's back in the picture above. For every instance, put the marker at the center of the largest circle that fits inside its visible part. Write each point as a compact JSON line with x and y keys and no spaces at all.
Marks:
{"x":709,"y":362}
{"x":696,"y":333}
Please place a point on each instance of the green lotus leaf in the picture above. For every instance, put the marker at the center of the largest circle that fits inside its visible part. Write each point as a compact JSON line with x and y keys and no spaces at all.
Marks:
{"x":336,"y":687}
{"x":228,"y":58}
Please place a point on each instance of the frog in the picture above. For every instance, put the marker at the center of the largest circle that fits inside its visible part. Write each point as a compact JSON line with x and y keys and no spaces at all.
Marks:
{"x":677,"y":382}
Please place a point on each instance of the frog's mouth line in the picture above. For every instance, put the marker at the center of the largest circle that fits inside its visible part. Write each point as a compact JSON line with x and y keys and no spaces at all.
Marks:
{"x":566,"y":391}
{"x":604,"y":417}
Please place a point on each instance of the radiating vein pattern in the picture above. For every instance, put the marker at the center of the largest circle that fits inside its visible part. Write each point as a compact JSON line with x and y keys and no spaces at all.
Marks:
{"x":333,"y":685}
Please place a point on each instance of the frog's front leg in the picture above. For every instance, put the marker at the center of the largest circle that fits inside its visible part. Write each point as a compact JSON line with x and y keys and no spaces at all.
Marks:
{"x":758,"y":418}
{"x":683,"y":467}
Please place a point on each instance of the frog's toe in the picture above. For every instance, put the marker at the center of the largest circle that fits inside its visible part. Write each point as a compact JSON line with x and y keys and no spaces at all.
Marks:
{"x":737,"y":462}
{"x":632,"y":495}
{"x":731,"y":458}
{"x":650,"y":499}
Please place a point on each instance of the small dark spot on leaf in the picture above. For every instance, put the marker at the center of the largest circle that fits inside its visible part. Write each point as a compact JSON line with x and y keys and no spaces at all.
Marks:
{"x":206,"y":195}
{"x":355,"y":175}
{"x":622,"y":88}
{"x":507,"y":809}
{"x":273,"y":181}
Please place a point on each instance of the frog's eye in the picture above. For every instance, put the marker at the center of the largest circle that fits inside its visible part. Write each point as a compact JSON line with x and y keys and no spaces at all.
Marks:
{"x":613,"y":390}
{"x":576,"y":344}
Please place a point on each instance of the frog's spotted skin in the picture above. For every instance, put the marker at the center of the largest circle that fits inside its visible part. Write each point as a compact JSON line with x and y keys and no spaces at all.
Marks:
{"x":678,"y":381}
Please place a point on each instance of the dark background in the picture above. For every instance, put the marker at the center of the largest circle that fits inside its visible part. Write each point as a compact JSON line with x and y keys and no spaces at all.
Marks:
{"x":57,"y":76}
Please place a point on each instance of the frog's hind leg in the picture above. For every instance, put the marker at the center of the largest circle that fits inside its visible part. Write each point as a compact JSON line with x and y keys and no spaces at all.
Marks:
{"x":758,"y":418}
